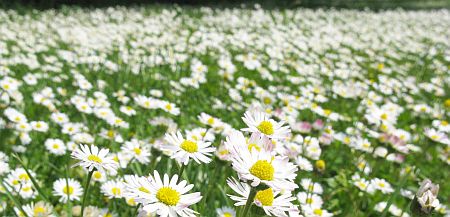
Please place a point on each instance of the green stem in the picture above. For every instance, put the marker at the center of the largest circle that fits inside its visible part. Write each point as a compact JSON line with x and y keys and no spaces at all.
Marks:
{"x":86,"y":189}
{"x":249,"y":203}
{"x":136,"y":210}
{"x":397,"y":190}
{"x":69,"y":203}
{"x":35,"y":184}
{"x":180,"y":172}
{"x":12,"y":198}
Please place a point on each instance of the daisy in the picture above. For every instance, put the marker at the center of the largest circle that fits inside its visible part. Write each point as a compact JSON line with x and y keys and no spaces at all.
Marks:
{"x":113,"y":189}
{"x":167,"y":196}
{"x":272,"y":202}
{"x":92,"y":157}
{"x":39,"y":209}
{"x":304,"y":164}
{"x":316,"y":212}
{"x":260,"y":122}
{"x":55,"y":146}
{"x":309,"y":199}
{"x":136,"y":186}
{"x":310,"y":186}
{"x":67,"y":189}
{"x":184,"y":149}
{"x":225,"y":212}
{"x":256,"y":142}
{"x":382,"y":185}
{"x":261,"y":166}
{"x":40,"y":126}
{"x":137,"y":151}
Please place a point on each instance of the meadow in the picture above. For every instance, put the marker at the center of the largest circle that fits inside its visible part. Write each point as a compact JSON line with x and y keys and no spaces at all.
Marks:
{"x":176,"y":111}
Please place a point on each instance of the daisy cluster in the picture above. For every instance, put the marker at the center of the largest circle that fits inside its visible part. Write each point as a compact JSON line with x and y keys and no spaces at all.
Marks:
{"x":172,"y":111}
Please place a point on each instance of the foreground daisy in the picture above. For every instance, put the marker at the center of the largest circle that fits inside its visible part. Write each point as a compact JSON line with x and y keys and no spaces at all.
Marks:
{"x":67,"y":189}
{"x":261,"y":166}
{"x":92,"y":157}
{"x":184,"y":149}
{"x":260,"y":122}
{"x":165,"y":197}
{"x":272,"y":202}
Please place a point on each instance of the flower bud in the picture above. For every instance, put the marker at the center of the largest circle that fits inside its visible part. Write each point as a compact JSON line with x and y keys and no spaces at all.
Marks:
{"x":426,"y":199}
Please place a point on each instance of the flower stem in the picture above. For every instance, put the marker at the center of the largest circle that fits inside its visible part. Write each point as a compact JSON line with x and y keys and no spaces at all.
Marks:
{"x":86,"y":189}
{"x":180,"y":172}
{"x":250,"y":199}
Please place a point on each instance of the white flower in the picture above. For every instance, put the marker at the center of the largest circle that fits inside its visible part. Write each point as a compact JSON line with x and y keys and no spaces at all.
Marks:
{"x":261,"y":166}
{"x":382,"y":185}
{"x":92,"y":157}
{"x":55,"y":146}
{"x":113,"y":189}
{"x":167,"y":197}
{"x":67,"y":189}
{"x":137,"y":151}
{"x":225,"y":212}
{"x":260,"y":122}
{"x":183,"y":149}
{"x":273,"y":203}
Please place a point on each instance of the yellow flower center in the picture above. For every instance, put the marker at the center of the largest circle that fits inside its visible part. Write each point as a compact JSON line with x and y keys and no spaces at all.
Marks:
{"x":381,"y":184}
{"x":263,"y":170}
{"x":55,"y":146}
{"x":251,"y":146}
{"x":265,"y":127}
{"x":444,"y":123}
{"x":138,"y":151}
{"x":210,"y":121}
{"x":115,"y":191}
{"x":110,"y":134}
{"x":24,"y":176}
{"x":309,"y":201}
{"x":227,"y":214}
{"x":97,"y":175}
{"x":318,"y":212}
{"x":265,"y":197}
{"x":168,"y":107}
{"x":68,"y":190}
{"x":267,"y":100}
{"x":189,"y":146}
{"x":145,"y":190}
{"x":168,"y":196}
{"x":384,"y":116}
{"x":95,"y":158}
{"x":39,"y":210}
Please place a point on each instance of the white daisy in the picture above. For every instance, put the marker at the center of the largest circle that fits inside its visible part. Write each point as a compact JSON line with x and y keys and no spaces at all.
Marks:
{"x":272,"y":202}
{"x":261,"y":166}
{"x":55,"y":146}
{"x":225,"y":212}
{"x":113,"y":189}
{"x":260,"y":122}
{"x":167,"y":197}
{"x":137,"y":151}
{"x":183,"y":149}
{"x":67,"y":189}
{"x":92,"y":157}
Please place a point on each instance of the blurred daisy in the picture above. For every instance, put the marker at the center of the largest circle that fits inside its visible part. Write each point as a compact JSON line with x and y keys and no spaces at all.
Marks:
{"x":39,"y":209}
{"x":137,"y":151}
{"x":92,"y":157}
{"x":382,"y":185}
{"x":225,"y":212}
{"x":113,"y":189}
{"x":183,"y":149}
{"x":260,"y":122}
{"x":55,"y":146}
{"x":67,"y":189}
{"x":309,"y":199}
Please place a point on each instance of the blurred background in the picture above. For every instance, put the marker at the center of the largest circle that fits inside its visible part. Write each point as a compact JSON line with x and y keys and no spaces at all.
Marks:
{"x":353,"y":4}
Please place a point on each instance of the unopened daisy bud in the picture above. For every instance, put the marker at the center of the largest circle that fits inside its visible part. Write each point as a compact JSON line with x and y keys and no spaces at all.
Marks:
{"x":320,"y":165}
{"x":426,"y":199}
{"x":447,"y":103}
